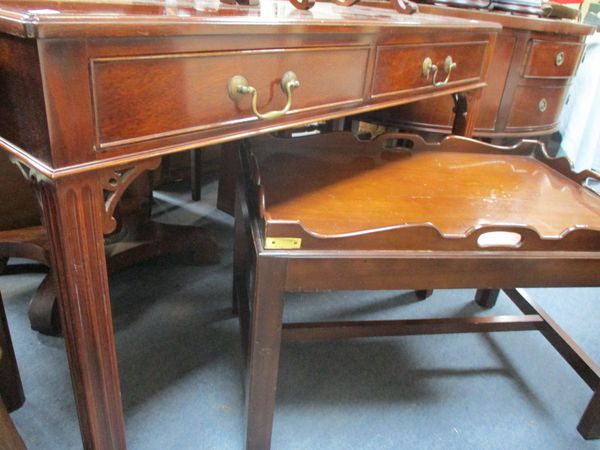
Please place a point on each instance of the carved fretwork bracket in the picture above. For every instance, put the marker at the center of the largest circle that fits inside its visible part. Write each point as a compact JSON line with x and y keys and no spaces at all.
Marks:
{"x":115,"y":182}
{"x":30,"y":174}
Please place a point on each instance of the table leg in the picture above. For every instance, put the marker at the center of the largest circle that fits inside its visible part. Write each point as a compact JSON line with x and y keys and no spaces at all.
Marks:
{"x":227,"y":177}
{"x":11,"y":389}
{"x":265,"y":342}
{"x":422,"y":294}
{"x":589,"y":426}
{"x":487,"y":298}
{"x":466,"y":111}
{"x":196,"y":173}
{"x":9,"y":436}
{"x":73,"y":208}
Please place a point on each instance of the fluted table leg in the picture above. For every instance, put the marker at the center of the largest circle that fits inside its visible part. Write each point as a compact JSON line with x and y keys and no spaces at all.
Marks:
{"x":73,"y":208}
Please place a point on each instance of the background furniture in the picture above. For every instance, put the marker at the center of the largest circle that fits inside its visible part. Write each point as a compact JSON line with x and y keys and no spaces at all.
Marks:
{"x":136,"y":238}
{"x":374,"y":216}
{"x":533,"y":64}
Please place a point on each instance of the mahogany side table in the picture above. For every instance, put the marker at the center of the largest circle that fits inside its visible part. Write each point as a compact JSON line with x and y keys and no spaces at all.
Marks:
{"x":95,"y":93}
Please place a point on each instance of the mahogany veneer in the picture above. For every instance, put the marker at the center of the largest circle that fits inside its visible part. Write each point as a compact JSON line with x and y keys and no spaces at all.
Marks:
{"x":375,"y":216}
{"x":93,"y":93}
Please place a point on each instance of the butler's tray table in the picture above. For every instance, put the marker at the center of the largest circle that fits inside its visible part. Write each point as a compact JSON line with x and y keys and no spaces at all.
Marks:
{"x":400,"y":213}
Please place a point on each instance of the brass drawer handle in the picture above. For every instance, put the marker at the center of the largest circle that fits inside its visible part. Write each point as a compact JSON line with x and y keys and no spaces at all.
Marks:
{"x":559,"y":58}
{"x":238,"y":86}
{"x":429,"y":67}
{"x":542,"y":105}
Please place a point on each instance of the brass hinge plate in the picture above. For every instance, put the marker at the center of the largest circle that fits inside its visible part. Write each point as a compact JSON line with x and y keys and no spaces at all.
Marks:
{"x":282,"y":243}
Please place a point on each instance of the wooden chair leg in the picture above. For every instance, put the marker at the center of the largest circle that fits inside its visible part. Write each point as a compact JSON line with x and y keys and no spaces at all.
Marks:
{"x":43,"y":308}
{"x":239,"y":265}
{"x":9,"y":437}
{"x":422,"y":294}
{"x":589,"y":425}
{"x":196,"y":173}
{"x":227,"y":177}
{"x":11,"y":389}
{"x":265,"y":342}
{"x":243,"y":270}
{"x":486,"y":298}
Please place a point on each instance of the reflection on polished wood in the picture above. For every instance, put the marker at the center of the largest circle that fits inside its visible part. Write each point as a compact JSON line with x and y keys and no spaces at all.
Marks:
{"x":91,"y":87}
{"x":453,"y":189}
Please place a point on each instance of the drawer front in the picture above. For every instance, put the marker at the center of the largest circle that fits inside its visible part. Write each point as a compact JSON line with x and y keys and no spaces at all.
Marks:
{"x":547,"y":59}
{"x":535,"y":107}
{"x":400,"y":67}
{"x":141,"y":98}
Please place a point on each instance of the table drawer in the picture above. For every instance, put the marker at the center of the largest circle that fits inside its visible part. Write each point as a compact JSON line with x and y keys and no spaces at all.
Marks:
{"x":549,"y":59}
{"x":535,"y":107}
{"x":400,"y":67}
{"x":148,"y":97}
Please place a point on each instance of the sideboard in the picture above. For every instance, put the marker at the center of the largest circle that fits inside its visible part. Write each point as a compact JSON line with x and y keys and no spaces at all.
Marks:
{"x":533,"y":63}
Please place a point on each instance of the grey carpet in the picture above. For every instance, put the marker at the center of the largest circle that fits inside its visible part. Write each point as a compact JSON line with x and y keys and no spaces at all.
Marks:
{"x":180,"y":365}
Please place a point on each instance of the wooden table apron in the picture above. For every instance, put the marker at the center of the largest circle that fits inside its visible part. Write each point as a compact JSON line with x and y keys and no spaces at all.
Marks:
{"x":88,"y":106}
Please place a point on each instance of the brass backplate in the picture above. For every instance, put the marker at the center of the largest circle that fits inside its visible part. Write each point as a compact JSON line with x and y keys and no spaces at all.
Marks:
{"x":282,"y":243}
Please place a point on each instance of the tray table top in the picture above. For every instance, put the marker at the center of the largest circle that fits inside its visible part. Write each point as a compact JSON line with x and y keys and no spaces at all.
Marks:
{"x":352,"y":188}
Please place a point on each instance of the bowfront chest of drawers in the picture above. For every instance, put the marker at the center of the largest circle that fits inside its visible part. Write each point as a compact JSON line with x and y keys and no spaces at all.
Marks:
{"x":534,"y":61}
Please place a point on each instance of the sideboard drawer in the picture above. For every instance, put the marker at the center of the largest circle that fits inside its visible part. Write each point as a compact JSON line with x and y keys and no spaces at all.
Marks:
{"x":399,"y":68}
{"x":147,"y":97}
{"x":535,"y":107}
{"x":550,"y":59}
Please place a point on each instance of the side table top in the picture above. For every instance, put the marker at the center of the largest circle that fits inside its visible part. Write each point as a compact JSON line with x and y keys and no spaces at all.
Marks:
{"x":152,"y":17}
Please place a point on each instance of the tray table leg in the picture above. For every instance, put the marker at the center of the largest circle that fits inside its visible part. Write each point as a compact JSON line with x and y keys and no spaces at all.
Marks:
{"x":589,"y":425}
{"x":486,"y":298}
{"x":265,"y":342}
{"x":422,"y":294}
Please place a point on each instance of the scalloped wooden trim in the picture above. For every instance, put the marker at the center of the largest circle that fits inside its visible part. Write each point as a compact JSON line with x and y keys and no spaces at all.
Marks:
{"x":459,"y":143}
{"x":531,"y":239}
{"x":564,"y":165}
{"x":429,"y":238}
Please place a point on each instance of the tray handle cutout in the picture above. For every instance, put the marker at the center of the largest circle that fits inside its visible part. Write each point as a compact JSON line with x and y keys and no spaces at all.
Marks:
{"x":507,"y":239}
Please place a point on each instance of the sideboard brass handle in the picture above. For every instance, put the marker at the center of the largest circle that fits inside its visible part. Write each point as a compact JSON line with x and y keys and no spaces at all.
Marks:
{"x":559,"y":58}
{"x":542,"y":105}
{"x":238,"y":86}
{"x":429,"y":67}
